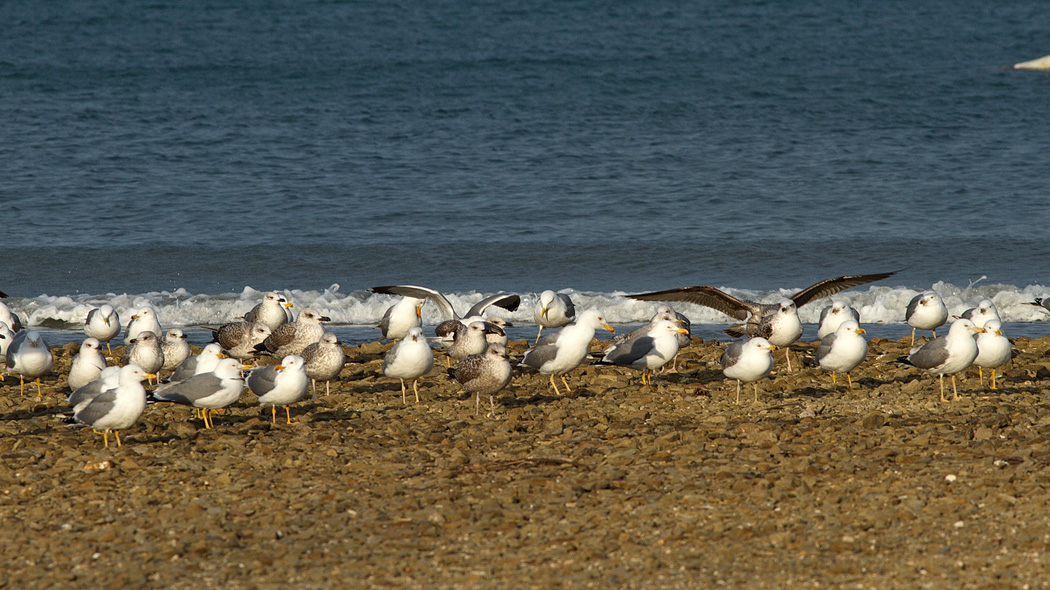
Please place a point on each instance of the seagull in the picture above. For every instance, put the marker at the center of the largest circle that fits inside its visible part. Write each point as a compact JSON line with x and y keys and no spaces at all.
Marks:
{"x":238,"y":339}
{"x":409,"y":358}
{"x":103,"y":324}
{"x":485,"y":373}
{"x":926,"y":311}
{"x":205,"y":362}
{"x":843,"y":350}
{"x":401,"y":317}
{"x":469,"y":340}
{"x":280,"y":385}
{"x":983,"y":313}
{"x":143,"y":321}
{"x":84,"y":394}
{"x":175,"y":349}
{"x":776,"y":322}
{"x":118,"y":408}
{"x":207,"y":391}
{"x":87,"y":365}
{"x":648,"y":351}
{"x":832,"y":316}
{"x":6,"y":337}
{"x":947,"y":355}
{"x":324,"y":360}
{"x":445,"y":329}
{"x":993,"y":350}
{"x":292,"y":338}
{"x":9,"y":318}
{"x":271,"y":311}
{"x":748,"y":361}
{"x":553,"y":310}
{"x":145,"y":351}
{"x":564,"y":350}
{"x":29,"y":356}
{"x":663,"y":312}
{"x":496,"y":331}
{"x":1042,"y":303}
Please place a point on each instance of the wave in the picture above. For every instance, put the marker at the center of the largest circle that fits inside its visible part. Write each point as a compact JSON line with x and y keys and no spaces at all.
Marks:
{"x":179,"y":308}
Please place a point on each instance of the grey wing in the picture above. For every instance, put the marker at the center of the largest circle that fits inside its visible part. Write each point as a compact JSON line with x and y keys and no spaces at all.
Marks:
{"x":825,"y":346}
{"x":853,"y":313}
{"x":391,"y":356}
{"x":823,"y":314}
{"x":629,"y":351}
{"x":968,"y":314}
{"x":549,"y":339}
{"x":190,"y":390}
{"x":420,"y":293}
{"x":932,"y":354}
{"x":82,"y":394}
{"x":539,"y":355}
{"x":570,"y":309}
{"x":635,"y":333}
{"x":831,"y":286}
{"x":732,"y":354}
{"x":185,"y":370}
{"x":97,"y":408}
{"x":912,"y":306}
{"x":261,"y":381}
{"x":506,"y":301}
{"x":706,"y":296}
{"x":384,"y":324}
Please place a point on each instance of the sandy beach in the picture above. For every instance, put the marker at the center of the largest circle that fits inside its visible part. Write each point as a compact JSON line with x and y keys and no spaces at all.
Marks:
{"x":614,"y":485}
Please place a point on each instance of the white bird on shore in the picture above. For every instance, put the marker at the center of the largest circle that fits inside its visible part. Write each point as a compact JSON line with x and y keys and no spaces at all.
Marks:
{"x":832,"y":316}
{"x":118,"y":408}
{"x":292,"y":338}
{"x":85,"y":393}
{"x":553,"y":310}
{"x":102,"y":324}
{"x":401,"y":317}
{"x":409,"y":358}
{"x":748,"y":361}
{"x":145,"y":320}
{"x":10,"y":318}
{"x":87,"y":365}
{"x":564,"y":350}
{"x":145,"y":351}
{"x":205,"y":362}
{"x":280,"y":385}
{"x":843,"y":350}
{"x":445,"y":329}
{"x":926,"y":311}
{"x":175,"y":349}
{"x":239,"y":339}
{"x":272,"y":311}
{"x":29,"y":356}
{"x":982,"y":314}
{"x":646,"y":352}
{"x":993,"y":350}
{"x":324,"y":360}
{"x":207,"y":391}
{"x":947,"y":355}
{"x":7,"y":336}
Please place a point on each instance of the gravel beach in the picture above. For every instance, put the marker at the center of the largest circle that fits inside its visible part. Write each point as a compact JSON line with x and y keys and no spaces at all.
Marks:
{"x":614,"y":485}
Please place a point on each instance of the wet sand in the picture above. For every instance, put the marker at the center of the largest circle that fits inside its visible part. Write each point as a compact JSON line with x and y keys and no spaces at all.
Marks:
{"x":615,"y":485}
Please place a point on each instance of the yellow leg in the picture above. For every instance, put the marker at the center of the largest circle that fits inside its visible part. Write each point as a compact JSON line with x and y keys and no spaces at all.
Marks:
{"x":554,"y":385}
{"x":38,"y":392}
{"x":21,"y":386}
{"x":833,"y":382}
{"x":116,"y":433}
{"x":955,"y":392}
{"x":567,"y":388}
{"x":288,"y":414}
{"x":538,"y":334}
{"x":913,"y":336}
{"x":105,"y":438}
{"x":980,"y":375}
{"x":273,"y":414}
{"x":993,"y":379}
{"x":850,"y":381}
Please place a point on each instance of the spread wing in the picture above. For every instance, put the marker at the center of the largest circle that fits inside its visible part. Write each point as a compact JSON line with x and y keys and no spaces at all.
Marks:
{"x":831,"y":286}
{"x":706,"y":296}
{"x":505,"y":300}
{"x":420,"y":293}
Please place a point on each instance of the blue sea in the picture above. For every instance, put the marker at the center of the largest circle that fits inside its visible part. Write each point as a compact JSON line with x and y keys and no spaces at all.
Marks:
{"x":191,"y":155}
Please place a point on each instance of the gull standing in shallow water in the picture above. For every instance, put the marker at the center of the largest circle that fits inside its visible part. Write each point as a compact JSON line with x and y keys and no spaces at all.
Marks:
{"x":648,"y":351}
{"x":324,"y":360}
{"x":564,"y":350}
{"x":553,"y":310}
{"x":87,"y":365}
{"x":748,"y":361}
{"x":280,"y":385}
{"x":926,"y":311}
{"x":409,"y":358}
{"x":29,"y":356}
{"x":777,"y":322}
{"x":843,"y":350}
{"x":485,"y":373}
{"x":993,"y":350}
{"x":103,"y":324}
{"x":947,"y":355}
{"x":208,"y":391}
{"x":118,"y":408}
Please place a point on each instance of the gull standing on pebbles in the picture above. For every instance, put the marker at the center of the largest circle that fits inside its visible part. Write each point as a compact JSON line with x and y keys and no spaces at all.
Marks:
{"x":947,"y":355}
{"x":324,"y":360}
{"x":103,"y":324}
{"x":485,"y":373}
{"x":118,"y":408}
{"x":87,"y":365}
{"x":208,"y":391}
{"x":143,"y":321}
{"x":843,"y":350}
{"x":29,"y":356}
{"x":926,"y":311}
{"x":564,"y":350}
{"x":776,"y":322}
{"x":468,"y":340}
{"x":175,"y":349}
{"x":748,"y":361}
{"x":663,"y":312}
{"x":409,"y":358}
{"x":271,"y":311}
{"x":553,"y":310}
{"x":205,"y":362}
{"x":292,"y":338}
{"x":401,"y":317}
{"x":239,"y":339}
{"x":646,"y":352}
{"x":982,"y":314}
{"x":145,"y":351}
{"x":85,"y":393}
{"x":832,"y":316}
{"x":993,"y":350}
{"x":280,"y":385}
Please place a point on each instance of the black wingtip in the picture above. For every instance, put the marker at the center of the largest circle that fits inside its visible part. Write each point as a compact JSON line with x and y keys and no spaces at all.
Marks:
{"x":3,"y":295}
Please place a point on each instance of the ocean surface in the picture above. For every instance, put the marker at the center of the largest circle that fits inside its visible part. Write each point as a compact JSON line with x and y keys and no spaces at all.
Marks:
{"x":191,"y":155}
